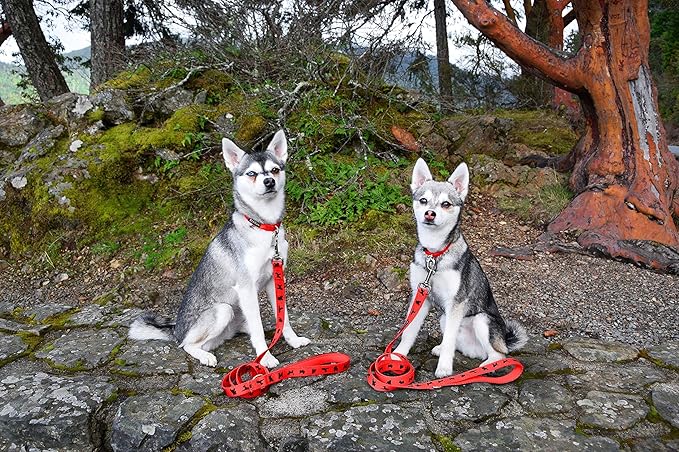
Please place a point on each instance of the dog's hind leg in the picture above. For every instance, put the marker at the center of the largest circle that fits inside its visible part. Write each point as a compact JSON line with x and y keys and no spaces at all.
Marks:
{"x":454,"y":316}
{"x":482,"y":332}
{"x":208,"y":333}
{"x":289,"y":334}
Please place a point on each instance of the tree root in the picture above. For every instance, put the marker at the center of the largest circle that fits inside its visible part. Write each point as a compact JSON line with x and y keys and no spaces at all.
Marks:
{"x":643,"y":253}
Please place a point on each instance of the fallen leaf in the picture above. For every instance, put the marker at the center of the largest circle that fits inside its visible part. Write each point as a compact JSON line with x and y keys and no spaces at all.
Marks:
{"x":406,"y":138}
{"x":550,"y":333}
{"x":373,"y":312}
{"x":115,"y":263}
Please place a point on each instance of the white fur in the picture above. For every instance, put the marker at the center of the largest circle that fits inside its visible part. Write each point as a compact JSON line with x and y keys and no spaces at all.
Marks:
{"x":140,"y":331}
{"x":232,"y":153}
{"x":460,"y":180}
{"x":279,"y":146}
{"x":421,"y":174}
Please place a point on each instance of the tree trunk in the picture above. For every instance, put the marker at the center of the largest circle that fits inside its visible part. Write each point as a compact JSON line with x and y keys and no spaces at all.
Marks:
{"x":445,"y":73}
{"x":108,"y":40}
{"x":37,"y":55}
{"x":5,"y":32}
{"x":625,"y":179}
{"x":561,"y":99}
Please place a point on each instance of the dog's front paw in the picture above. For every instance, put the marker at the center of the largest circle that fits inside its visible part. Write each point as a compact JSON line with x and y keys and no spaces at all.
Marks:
{"x":436,"y":351}
{"x":269,"y":361}
{"x":443,"y":370}
{"x":298,"y":341}
{"x":208,"y":359}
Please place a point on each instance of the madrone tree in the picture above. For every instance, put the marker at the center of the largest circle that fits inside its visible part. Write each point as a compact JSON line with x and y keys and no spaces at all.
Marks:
{"x":625,"y":179}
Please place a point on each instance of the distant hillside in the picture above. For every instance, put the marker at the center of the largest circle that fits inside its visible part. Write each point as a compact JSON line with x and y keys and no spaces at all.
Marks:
{"x":78,"y":81}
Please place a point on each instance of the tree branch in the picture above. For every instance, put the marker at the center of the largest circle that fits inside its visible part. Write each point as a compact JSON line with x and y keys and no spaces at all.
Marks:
{"x":511,"y":14}
{"x":529,"y":53}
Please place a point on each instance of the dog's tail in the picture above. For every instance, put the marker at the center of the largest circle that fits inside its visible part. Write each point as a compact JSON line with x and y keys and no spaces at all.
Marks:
{"x":516,"y":336}
{"x":150,"y":326}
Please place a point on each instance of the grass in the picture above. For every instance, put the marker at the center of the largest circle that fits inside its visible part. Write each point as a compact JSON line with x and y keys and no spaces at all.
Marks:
{"x":539,"y":207}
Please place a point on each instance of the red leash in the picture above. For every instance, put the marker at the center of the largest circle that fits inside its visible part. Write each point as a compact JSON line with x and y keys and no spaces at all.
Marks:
{"x":252,"y":379}
{"x":393,"y":370}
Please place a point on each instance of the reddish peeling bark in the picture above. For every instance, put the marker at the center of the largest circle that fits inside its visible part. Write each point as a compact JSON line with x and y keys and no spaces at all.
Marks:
{"x":5,"y":32}
{"x":562,"y":100}
{"x":626,"y":180}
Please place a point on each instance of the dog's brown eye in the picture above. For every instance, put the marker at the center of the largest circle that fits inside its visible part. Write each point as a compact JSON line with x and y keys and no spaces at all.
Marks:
{"x":423,"y":200}
{"x":275,"y":170}
{"x":251,"y":174}
{"x":445,"y":204}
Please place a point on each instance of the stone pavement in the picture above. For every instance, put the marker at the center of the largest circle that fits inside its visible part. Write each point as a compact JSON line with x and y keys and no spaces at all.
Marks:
{"x":69,"y":380}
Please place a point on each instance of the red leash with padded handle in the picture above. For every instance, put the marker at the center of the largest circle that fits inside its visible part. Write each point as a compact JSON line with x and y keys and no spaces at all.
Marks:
{"x":393,"y":370}
{"x":252,"y":379}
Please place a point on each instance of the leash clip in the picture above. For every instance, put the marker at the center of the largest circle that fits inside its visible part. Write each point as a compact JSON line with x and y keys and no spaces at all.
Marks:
{"x":431,"y":269}
{"x":276,"y":254}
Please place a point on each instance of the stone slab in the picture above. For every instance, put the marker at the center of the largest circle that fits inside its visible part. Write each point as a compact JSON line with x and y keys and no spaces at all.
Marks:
{"x":372,"y":427}
{"x":544,"y":396}
{"x":16,"y":327}
{"x":531,"y":434}
{"x":226,"y":429}
{"x":296,"y":402}
{"x":151,"y":422}
{"x":152,"y":358}
{"x":43,"y":312}
{"x":627,"y":378}
{"x":591,"y":350}
{"x":666,"y":400}
{"x":667,"y":353}
{"x":11,"y":346}
{"x":470,"y":402}
{"x":81,"y":349}
{"x":41,"y":411}
{"x":611,"y":410}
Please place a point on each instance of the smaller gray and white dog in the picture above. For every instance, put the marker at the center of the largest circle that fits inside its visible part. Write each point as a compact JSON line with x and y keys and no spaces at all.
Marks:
{"x":222,"y":296}
{"x":470,"y":322}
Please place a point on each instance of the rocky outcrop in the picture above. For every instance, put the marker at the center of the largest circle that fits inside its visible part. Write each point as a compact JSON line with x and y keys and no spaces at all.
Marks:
{"x":70,"y":380}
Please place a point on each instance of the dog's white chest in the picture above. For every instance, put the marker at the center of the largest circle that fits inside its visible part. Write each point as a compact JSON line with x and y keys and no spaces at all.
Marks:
{"x":445,"y":286}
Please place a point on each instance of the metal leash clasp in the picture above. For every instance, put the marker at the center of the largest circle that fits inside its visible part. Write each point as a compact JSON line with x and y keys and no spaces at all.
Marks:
{"x":276,"y":254}
{"x":431,"y":269}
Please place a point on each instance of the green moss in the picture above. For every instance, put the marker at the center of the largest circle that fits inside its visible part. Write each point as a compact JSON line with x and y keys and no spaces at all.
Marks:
{"x":138,"y":78}
{"x":653,"y":415}
{"x":250,"y":127}
{"x":446,"y":443}
{"x":176,"y":391}
{"x":59,"y":320}
{"x":540,"y":130}
{"x":554,"y":346}
{"x":186,"y":434}
{"x":95,"y":115}
{"x":79,"y":366}
{"x":30,"y":339}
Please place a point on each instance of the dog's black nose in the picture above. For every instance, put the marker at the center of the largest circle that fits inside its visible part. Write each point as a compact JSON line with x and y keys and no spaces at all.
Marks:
{"x":269,"y":182}
{"x":429,"y":215}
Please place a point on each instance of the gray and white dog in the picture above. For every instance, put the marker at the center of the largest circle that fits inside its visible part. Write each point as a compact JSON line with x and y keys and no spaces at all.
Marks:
{"x":470,"y":322}
{"x":222,"y":296}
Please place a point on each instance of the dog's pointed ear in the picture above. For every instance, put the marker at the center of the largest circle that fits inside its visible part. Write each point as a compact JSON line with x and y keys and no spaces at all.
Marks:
{"x":421,"y":174}
{"x":460,"y":180}
{"x":232,"y":154}
{"x":279,"y":146}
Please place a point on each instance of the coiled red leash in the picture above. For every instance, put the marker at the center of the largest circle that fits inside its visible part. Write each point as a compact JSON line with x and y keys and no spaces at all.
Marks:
{"x":252,"y":379}
{"x":393,"y":370}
